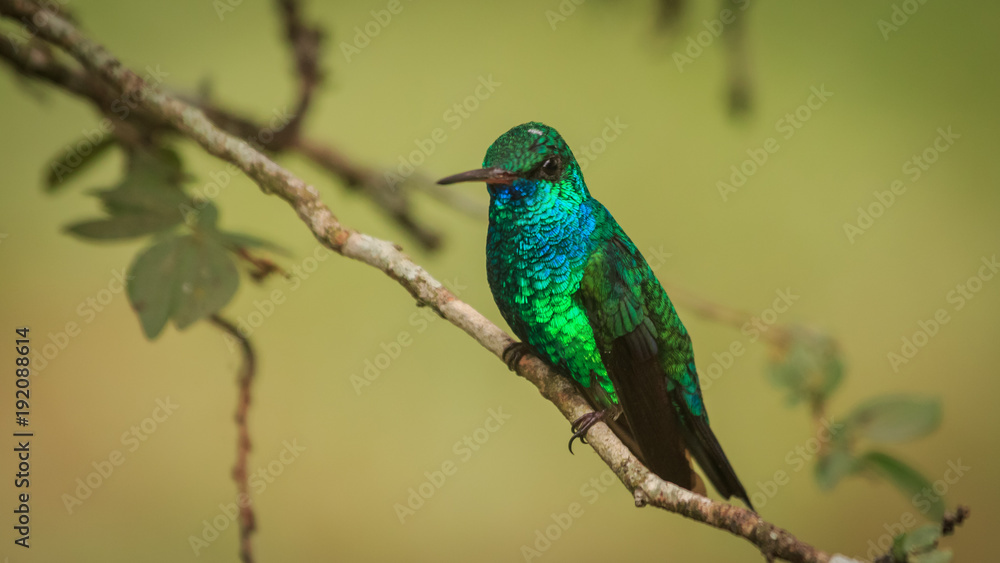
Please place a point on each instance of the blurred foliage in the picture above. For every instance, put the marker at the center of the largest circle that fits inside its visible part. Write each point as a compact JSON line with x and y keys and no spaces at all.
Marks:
{"x":807,"y":364}
{"x":181,"y":276}
{"x":918,"y":546}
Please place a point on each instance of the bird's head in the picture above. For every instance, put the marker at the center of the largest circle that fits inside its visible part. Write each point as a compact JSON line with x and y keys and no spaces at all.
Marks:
{"x":531,"y":162}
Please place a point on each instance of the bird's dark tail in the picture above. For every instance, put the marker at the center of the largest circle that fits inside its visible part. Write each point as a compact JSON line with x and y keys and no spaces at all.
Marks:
{"x":661,"y":423}
{"x":705,"y":448}
{"x":642,"y":394}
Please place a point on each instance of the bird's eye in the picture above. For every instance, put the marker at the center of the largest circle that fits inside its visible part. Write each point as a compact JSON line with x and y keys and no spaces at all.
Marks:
{"x":549,"y":168}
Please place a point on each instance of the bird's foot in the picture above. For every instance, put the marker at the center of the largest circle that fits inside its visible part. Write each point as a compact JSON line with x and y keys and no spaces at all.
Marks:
{"x":513,"y":353}
{"x":583,"y":424}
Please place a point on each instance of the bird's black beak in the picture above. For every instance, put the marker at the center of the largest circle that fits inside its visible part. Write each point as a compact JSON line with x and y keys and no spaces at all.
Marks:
{"x":495,"y":175}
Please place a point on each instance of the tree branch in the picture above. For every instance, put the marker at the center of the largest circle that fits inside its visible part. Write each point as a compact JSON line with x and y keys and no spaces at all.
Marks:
{"x":137,"y":127}
{"x":248,"y":523}
{"x":305,"y":42}
{"x":392,"y":199}
{"x":192,"y":123}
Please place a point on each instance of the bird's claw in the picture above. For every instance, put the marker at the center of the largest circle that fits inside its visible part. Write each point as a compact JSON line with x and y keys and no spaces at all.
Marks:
{"x":513,"y":353}
{"x":582,"y":425}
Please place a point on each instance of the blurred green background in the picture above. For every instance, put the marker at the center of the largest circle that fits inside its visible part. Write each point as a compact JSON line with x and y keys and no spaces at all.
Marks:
{"x":364,"y":451}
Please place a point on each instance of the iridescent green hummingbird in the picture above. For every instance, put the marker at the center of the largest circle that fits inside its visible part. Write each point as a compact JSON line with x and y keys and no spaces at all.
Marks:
{"x":577,"y":292}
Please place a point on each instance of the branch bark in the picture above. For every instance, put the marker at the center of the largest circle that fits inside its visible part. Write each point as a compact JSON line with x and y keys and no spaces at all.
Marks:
{"x":191,"y":122}
{"x":248,"y":368}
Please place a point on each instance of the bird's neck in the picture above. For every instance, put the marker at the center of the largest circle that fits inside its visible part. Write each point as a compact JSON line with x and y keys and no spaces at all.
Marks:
{"x":527,"y":229}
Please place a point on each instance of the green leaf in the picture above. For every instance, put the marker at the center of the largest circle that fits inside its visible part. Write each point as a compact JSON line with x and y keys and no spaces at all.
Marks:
{"x":68,"y":165}
{"x":208,"y":216}
{"x":151,"y":185}
{"x":904,"y":477}
{"x":152,"y":285}
{"x":147,"y":200}
{"x":207,"y":279}
{"x":808,"y":365}
{"x":941,"y":556}
{"x":242,"y":240}
{"x":184,"y":278}
{"x":922,"y":539}
{"x":150,"y":199}
{"x":832,"y":367}
{"x":896,"y":418}
{"x":897,"y":552}
{"x":786,"y":372}
{"x":833,"y":467}
{"x":121,"y":226}
{"x":160,"y":162}
{"x":206,"y":220}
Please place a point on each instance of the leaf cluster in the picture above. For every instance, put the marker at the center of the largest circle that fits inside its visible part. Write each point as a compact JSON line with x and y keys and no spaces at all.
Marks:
{"x":189,"y":270}
{"x":808,"y":365}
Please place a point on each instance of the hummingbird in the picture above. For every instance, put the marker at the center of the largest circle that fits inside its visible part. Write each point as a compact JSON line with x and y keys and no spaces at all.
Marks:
{"x":579,"y":294}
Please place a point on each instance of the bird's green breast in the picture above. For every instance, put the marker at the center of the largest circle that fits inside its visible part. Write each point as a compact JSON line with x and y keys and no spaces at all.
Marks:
{"x":535,"y":264}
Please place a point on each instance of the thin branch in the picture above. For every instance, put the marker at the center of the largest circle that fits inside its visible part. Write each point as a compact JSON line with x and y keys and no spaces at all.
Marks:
{"x":393,"y":200}
{"x":137,"y":127}
{"x":248,"y":523}
{"x":305,"y":42}
{"x":387,"y":257}
{"x":949,"y":523}
{"x":263,"y":267}
{"x":738,"y":75}
{"x":954,"y":519}
{"x":36,"y":59}
{"x":722,"y":314}
{"x":669,"y":13}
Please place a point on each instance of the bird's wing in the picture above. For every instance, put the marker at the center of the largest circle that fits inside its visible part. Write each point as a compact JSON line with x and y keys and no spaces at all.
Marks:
{"x":666,"y":416}
{"x":611,"y":294}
